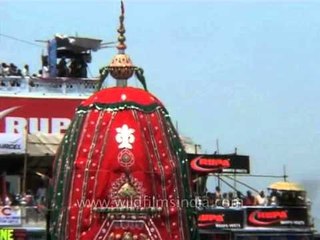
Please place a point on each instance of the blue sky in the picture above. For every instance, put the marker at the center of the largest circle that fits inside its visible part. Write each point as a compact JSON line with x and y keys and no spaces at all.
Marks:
{"x":244,"y":72}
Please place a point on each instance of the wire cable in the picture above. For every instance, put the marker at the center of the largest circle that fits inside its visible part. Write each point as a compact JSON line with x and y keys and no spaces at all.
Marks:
{"x":242,"y":183}
{"x":20,"y":40}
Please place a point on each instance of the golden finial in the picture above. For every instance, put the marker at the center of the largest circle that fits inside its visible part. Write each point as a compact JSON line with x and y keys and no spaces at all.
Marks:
{"x":121,"y":67}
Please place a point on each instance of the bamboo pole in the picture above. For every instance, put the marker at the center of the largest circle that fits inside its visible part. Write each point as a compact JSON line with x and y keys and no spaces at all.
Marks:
{"x":25,"y":161}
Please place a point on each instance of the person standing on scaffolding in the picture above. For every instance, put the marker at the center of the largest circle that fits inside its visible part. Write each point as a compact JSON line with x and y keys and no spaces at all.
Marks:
{"x":62,"y":68}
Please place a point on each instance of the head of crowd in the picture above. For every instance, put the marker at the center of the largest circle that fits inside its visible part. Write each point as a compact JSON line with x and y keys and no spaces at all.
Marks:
{"x":271,"y":197}
{"x":65,"y":68}
{"x":29,"y":198}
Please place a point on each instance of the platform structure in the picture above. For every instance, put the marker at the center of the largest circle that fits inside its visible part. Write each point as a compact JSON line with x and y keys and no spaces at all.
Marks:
{"x":282,"y":218}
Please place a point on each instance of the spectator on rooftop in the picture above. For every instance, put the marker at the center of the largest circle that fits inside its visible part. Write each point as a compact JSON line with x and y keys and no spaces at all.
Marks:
{"x":83,"y":69}
{"x":45,"y":71}
{"x":73,"y":68}
{"x":217,"y":193}
{"x":5,"y":69}
{"x":62,"y":68}
{"x":25,"y":71}
{"x":225,"y":200}
{"x":217,"y":196}
{"x":261,"y":199}
{"x":1,"y":69}
{"x":249,"y":199}
{"x":13,"y":70}
{"x":237,"y":201}
{"x":274,"y":197}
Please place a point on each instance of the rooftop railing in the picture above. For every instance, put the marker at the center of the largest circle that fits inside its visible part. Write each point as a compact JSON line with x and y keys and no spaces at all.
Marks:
{"x":37,"y":86}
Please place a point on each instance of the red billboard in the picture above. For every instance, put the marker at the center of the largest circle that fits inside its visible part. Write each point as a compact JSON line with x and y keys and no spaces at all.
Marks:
{"x":278,"y":217}
{"x":219,"y":163}
{"x":220,"y":219}
{"x":45,"y":115}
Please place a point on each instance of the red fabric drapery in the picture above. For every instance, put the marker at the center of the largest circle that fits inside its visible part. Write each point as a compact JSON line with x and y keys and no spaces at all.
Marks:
{"x":124,"y":161}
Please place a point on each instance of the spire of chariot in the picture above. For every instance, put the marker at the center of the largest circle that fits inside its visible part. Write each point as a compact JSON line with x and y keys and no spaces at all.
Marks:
{"x":121,"y":67}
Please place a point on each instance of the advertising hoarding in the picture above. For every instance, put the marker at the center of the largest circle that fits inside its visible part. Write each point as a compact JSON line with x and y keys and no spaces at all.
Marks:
{"x":221,"y":219}
{"x":10,"y":216}
{"x":278,"y":217}
{"x":45,"y":115}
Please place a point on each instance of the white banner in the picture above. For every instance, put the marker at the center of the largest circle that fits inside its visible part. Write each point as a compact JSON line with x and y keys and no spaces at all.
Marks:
{"x":10,"y":216}
{"x":12,"y":143}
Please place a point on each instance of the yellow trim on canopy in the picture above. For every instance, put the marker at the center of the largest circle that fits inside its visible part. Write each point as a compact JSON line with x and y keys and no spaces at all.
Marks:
{"x":286,"y":186}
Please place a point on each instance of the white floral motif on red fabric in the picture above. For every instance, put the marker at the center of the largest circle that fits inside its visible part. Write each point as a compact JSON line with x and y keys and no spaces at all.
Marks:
{"x":125,"y":136}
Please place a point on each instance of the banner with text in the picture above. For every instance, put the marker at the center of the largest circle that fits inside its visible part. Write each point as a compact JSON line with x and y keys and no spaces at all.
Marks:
{"x":35,"y":116}
{"x":220,"y":219}
{"x":12,"y":143}
{"x":219,"y":163}
{"x":296,"y":217}
{"x":10,"y":216}
{"x":44,"y":115}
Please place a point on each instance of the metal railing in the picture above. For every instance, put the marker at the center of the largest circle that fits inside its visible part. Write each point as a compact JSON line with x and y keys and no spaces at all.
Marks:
{"x":33,"y":217}
{"x":14,"y":85}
